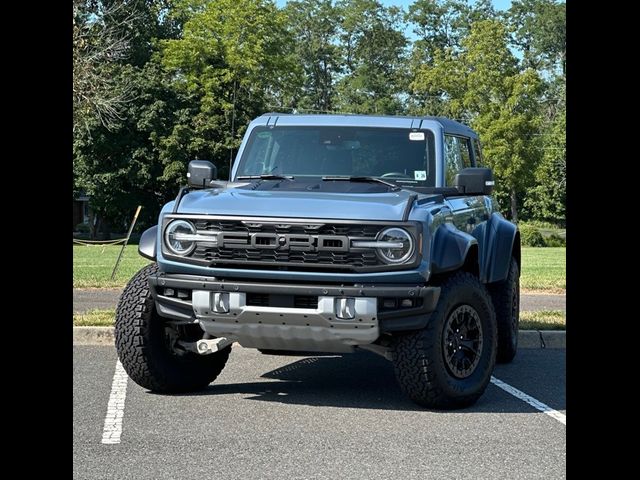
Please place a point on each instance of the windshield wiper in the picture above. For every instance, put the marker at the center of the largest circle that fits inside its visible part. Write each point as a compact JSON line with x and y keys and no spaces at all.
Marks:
{"x":265,"y":177}
{"x":361,"y":179}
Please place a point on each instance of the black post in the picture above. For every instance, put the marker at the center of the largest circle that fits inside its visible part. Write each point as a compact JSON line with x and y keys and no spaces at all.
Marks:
{"x":126,"y":240}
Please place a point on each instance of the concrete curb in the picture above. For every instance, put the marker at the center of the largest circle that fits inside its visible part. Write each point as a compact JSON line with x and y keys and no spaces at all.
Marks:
{"x":93,"y":336}
{"x":526,"y":338}
{"x":542,"y":339}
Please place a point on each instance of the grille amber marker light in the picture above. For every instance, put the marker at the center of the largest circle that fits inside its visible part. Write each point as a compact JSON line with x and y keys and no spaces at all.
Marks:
{"x":420,"y":244}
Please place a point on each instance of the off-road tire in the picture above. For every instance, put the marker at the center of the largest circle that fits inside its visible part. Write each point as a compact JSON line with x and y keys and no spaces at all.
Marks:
{"x":419,"y":357}
{"x":504,"y":294}
{"x":143,"y":351}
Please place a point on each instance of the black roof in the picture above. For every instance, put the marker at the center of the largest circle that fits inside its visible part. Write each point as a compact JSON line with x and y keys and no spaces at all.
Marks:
{"x":449,"y":125}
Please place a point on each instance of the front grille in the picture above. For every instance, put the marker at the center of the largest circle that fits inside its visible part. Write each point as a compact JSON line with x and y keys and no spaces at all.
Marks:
{"x":285,"y":301}
{"x":257,"y":299}
{"x":283,"y":244}
{"x":305,"y":301}
{"x":222,"y":255}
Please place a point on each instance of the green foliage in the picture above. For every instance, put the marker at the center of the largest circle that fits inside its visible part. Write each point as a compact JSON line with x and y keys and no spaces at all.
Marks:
{"x":541,"y":234}
{"x":234,"y":59}
{"x":554,"y":240}
{"x":547,"y":199}
{"x":530,"y":236}
{"x":373,"y":51}
{"x":541,"y":224}
{"x":539,"y":29}
{"x":481,"y":82}
{"x":82,"y":228}
{"x":130,"y":163}
{"x":313,"y":25}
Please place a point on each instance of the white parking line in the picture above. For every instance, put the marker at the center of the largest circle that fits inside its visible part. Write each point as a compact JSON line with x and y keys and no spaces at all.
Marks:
{"x":115,"y":409}
{"x":544,"y":408}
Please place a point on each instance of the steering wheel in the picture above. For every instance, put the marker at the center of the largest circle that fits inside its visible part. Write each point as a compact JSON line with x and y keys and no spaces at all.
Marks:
{"x":396,"y":174}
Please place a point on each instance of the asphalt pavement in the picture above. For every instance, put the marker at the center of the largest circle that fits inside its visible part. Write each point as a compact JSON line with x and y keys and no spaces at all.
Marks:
{"x":103,"y":298}
{"x":324,"y":417}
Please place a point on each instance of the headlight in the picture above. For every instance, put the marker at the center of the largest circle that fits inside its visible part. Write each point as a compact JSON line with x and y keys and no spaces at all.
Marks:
{"x":399,"y":245}
{"x":179,"y":237}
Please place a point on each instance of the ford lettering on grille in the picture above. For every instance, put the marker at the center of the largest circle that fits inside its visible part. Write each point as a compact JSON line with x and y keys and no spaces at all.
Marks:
{"x":285,"y":241}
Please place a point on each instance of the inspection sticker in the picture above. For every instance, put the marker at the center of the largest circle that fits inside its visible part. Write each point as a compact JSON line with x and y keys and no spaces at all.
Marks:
{"x":416,"y":136}
{"x":420,"y":174}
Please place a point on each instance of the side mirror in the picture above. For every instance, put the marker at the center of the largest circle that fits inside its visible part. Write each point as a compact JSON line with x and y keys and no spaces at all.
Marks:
{"x":200,"y":173}
{"x":474,"y":181}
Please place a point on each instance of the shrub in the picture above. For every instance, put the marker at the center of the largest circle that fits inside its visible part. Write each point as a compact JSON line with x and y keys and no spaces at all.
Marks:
{"x":542,"y":224}
{"x":530,"y":236}
{"x":82,"y":228}
{"x":554,"y":240}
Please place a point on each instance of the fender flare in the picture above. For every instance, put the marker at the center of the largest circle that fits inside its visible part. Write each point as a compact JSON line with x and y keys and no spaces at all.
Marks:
{"x":502,"y":242}
{"x":147,"y":245}
{"x":450,"y":248}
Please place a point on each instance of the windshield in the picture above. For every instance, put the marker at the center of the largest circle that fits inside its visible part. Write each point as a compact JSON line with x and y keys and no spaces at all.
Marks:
{"x":393,"y":154}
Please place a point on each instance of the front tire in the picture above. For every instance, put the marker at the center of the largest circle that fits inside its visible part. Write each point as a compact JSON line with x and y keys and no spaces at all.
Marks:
{"x":144,"y":348}
{"x":448,"y":364}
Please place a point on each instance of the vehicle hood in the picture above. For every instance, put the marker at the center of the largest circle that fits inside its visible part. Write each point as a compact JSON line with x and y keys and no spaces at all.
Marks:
{"x":297,"y":204}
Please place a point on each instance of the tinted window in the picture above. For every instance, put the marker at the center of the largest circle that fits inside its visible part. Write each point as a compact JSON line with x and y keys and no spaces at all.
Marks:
{"x":477,"y":151}
{"x":457,"y":156}
{"x":400,"y":155}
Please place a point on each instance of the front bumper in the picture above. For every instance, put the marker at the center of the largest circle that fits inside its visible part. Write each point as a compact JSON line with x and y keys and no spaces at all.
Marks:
{"x":281,"y":322}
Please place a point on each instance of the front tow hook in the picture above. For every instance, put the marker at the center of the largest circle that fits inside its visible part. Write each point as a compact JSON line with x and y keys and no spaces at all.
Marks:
{"x":213,"y":345}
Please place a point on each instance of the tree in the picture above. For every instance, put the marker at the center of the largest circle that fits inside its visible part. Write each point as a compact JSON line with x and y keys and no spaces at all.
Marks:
{"x":129,"y":163}
{"x":373,"y":49}
{"x":539,"y":29}
{"x":548,"y":199}
{"x":235,"y":58}
{"x":439,"y":25}
{"x":119,"y":165}
{"x":481,"y":85}
{"x":99,"y":44}
{"x":313,"y":25}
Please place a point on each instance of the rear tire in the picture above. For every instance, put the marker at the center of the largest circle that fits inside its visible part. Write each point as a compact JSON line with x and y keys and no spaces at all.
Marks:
{"x":506,"y":302}
{"x":434,"y":366}
{"x":144,"y":350}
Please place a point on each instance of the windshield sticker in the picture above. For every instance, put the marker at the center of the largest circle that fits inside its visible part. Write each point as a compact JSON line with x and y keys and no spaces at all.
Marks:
{"x":420,"y":174}
{"x":416,"y":136}
{"x":264,"y":134}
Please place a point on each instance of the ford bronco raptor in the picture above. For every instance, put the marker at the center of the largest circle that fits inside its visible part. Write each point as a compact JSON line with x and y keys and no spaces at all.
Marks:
{"x":334,"y":233}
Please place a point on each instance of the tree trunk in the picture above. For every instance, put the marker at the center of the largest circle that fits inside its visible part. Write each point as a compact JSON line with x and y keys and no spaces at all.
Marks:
{"x":514,"y":206}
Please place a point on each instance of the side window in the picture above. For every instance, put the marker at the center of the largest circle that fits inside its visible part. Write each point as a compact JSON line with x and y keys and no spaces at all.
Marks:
{"x":457,"y":156}
{"x":477,"y":152}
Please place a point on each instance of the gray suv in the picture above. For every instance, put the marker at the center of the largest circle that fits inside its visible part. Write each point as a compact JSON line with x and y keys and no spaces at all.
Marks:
{"x":334,"y":233}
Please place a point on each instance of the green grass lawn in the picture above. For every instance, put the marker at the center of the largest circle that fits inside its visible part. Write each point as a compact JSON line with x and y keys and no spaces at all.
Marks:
{"x":95,"y":318}
{"x":543,"y":320}
{"x":92,"y":266}
{"x":547,"y":320}
{"x":542,"y":268}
